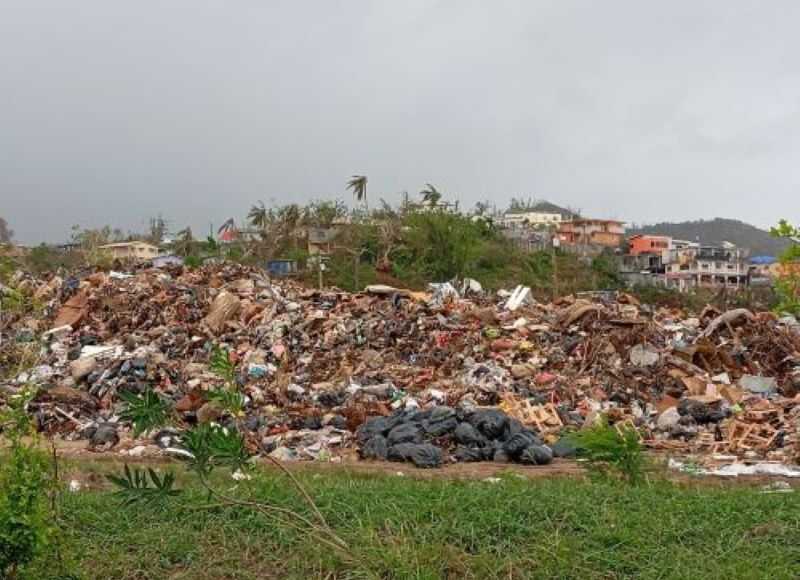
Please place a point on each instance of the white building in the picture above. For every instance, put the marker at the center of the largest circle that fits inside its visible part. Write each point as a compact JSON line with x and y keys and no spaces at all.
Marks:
{"x":134,"y":251}
{"x":696,"y":266}
{"x":530,"y":218}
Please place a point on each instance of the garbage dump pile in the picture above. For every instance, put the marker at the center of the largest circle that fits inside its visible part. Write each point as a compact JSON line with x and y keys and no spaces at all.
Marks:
{"x":430,"y":378}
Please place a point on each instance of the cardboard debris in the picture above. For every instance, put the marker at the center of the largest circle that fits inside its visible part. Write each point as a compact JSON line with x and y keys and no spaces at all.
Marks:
{"x":316,"y":365}
{"x":224,"y":307}
{"x":73,"y":311}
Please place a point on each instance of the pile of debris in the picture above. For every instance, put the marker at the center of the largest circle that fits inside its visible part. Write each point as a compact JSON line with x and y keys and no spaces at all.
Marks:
{"x":453,"y":374}
{"x":477,"y":434}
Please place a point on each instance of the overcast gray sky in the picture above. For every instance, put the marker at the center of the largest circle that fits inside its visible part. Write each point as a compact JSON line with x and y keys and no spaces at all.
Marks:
{"x":112,"y":112}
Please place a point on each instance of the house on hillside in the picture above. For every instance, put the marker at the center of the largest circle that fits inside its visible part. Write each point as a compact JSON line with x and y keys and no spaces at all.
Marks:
{"x":591,"y":235}
{"x":684,"y":265}
{"x":539,"y":215}
{"x":134,"y":251}
{"x":699,"y":266}
{"x":530,"y":218}
{"x":646,"y":244}
{"x":645,"y":259}
{"x":321,"y":240}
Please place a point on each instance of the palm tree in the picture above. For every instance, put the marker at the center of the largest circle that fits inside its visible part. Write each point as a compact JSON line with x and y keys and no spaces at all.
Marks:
{"x":227,"y":232}
{"x":430,"y":195}
{"x":258,"y":216}
{"x":290,"y":218}
{"x":358,"y":185}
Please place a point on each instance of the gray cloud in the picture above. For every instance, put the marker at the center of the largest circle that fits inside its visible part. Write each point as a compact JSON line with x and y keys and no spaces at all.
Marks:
{"x":112,"y":112}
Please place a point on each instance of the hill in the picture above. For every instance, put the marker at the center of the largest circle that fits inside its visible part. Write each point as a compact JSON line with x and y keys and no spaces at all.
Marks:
{"x":758,"y":241}
{"x":544,"y":206}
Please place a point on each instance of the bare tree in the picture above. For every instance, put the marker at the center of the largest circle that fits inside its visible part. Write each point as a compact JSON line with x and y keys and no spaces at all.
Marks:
{"x":158,"y":229}
{"x":6,"y":233}
{"x":389,"y":224}
{"x":184,"y":242}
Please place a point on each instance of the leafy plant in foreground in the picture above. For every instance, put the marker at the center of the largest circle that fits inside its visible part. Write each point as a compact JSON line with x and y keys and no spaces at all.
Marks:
{"x":612,"y":451}
{"x":213,"y":446}
{"x":228,"y":396}
{"x":140,"y":486}
{"x":25,"y":522}
{"x":228,"y":399}
{"x":208,"y":446}
{"x":147,"y":411}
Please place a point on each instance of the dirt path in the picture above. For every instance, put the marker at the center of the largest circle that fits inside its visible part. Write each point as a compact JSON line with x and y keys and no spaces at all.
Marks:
{"x":88,"y":467}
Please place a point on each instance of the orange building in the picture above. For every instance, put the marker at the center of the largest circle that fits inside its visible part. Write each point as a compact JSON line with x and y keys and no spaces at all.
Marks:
{"x":644,"y":244}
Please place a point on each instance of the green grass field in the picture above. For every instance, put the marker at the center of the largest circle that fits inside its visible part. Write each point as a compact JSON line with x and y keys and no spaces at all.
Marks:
{"x":399,"y":527}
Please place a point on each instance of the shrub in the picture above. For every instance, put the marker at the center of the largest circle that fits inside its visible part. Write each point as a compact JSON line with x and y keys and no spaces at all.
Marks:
{"x":25,"y":518}
{"x":612,"y":451}
{"x":193,"y":262}
{"x":787,"y":284}
{"x":24,"y":525}
{"x":147,"y":411}
{"x":208,"y":446}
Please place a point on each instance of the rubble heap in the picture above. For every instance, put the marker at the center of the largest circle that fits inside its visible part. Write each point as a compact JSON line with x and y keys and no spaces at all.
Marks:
{"x":432,"y":377}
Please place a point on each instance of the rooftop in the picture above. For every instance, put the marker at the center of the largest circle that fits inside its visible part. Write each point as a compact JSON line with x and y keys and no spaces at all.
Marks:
{"x":583,"y":221}
{"x":126,"y":244}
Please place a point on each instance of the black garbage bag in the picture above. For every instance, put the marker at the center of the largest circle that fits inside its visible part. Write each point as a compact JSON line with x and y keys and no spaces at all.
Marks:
{"x":421,"y":454}
{"x":468,"y":454}
{"x":466,"y":434}
{"x":491,"y":422}
{"x":381,"y":425}
{"x":536,"y":455}
{"x":518,"y":443}
{"x":405,"y":433}
{"x":375,"y":448}
{"x":372,"y":427}
{"x":440,"y":421}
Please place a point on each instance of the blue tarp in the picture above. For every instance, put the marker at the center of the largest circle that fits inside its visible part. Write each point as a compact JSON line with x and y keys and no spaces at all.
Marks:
{"x":281,"y":267}
{"x":763,"y":260}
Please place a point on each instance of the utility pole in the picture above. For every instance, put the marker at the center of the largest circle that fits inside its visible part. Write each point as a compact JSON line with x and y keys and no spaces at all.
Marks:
{"x":555,"y":243}
{"x":356,"y":260}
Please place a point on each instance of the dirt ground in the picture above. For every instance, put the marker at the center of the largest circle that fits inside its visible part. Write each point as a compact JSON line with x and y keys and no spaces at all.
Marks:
{"x":77,"y":454}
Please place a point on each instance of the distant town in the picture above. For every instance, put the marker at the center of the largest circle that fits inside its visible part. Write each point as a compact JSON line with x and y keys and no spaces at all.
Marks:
{"x":290,"y":240}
